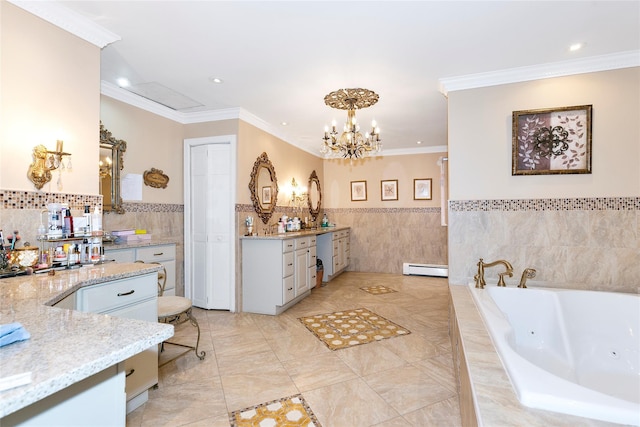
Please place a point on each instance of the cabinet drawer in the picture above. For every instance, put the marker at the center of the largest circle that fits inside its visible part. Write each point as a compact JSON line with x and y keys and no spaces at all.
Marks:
{"x":335,"y":247}
{"x":288,"y":289}
{"x":312,"y":240}
{"x":118,"y":293}
{"x":301,"y":243}
{"x":287,"y":245}
{"x":156,"y":253}
{"x":121,"y":255}
{"x":141,"y":372}
{"x":287,"y":264}
{"x":336,"y":263}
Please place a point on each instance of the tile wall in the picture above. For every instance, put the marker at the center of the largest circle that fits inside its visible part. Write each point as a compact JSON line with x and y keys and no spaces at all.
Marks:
{"x":581,"y":243}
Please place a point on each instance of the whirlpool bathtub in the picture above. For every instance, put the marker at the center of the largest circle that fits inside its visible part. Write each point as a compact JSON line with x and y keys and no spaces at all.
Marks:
{"x":569,"y":351}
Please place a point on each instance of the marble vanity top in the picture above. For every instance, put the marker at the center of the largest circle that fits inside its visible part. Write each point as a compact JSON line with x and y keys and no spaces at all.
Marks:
{"x":66,"y":346}
{"x":140,"y":243}
{"x":294,"y":234}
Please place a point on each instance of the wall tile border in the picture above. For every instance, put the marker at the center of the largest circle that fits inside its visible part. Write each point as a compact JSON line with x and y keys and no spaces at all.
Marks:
{"x":579,"y":204}
{"x":286,"y":209}
{"x":16,"y":199}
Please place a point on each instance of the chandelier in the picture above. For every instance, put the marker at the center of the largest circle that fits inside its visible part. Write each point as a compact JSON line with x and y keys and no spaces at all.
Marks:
{"x":351,"y":143}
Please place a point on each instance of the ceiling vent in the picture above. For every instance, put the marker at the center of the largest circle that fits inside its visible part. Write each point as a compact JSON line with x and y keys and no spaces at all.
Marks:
{"x":163,"y":95}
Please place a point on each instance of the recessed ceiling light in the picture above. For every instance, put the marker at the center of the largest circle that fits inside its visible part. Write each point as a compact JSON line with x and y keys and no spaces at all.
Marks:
{"x":419,"y":142}
{"x":284,"y":123}
{"x":215,"y":80}
{"x":575,"y":46}
{"x":123,"y":82}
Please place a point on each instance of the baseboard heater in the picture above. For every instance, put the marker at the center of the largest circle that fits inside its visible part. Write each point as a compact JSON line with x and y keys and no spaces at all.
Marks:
{"x":409,"y":269}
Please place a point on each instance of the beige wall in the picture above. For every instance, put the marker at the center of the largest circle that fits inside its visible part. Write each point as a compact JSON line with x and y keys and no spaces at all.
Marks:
{"x":288,"y":161}
{"x":50,"y":88}
{"x":152,"y":142}
{"x":576,"y":230}
{"x":339,"y":174}
{"x":480,"y":137}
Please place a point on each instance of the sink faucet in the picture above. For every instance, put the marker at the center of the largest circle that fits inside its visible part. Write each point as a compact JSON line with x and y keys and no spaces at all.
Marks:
{"x":479,"y":278}
{"x":528,"y":273}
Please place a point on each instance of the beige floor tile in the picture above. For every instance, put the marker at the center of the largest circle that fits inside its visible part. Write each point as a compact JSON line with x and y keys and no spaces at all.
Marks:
{"x":244,"y":390}
{"x":318,"y":371}
{"x":252,"y":359}
{"x":370,"y":358}
{"x":408,"y":388}
{"x":348,"y":404}
{"x":444,"y":413}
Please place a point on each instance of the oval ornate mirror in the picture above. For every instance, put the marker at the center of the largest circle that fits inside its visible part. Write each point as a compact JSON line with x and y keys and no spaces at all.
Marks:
{"x":315,"y":196}
{"x":263,"y":187}
{"x":111,"y":163}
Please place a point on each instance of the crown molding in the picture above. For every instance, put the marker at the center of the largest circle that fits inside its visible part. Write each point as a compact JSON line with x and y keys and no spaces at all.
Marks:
{"x":421,"y":150}
{"x":68,"y":20}
{"x":543,"y":71}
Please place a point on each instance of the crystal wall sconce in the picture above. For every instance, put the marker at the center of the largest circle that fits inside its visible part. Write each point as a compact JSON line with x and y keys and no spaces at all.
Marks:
{"x":45,"y":161}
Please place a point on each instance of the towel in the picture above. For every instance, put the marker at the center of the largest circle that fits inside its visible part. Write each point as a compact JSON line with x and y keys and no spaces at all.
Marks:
{"x":12,"y":332}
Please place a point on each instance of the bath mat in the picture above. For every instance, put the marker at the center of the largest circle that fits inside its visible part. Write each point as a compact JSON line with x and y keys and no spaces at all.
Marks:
{"x":347,"y":328}
{"x":378,"y":290}
{"x":290,"y":411}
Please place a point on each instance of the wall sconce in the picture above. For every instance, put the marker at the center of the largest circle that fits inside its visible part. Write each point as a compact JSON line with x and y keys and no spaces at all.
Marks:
{"x":298,"y":194}
{"x":45,"y":161}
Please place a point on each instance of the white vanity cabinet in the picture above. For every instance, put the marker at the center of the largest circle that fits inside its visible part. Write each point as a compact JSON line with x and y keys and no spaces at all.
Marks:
{"x":164,"y":254}
{"x":335,"y":252}
{"x":275,"y":272}
{"x":131,"y":298}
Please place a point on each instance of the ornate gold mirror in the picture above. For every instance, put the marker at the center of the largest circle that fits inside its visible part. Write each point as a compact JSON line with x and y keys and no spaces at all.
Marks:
{"x":263,"y":187}
{"x":111,"y":163}
{"x":315,"y":196}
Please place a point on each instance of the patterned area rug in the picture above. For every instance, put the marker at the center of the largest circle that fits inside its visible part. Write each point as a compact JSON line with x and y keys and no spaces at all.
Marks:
{"x":344,"y":329}
{"x":290,"y":411}
{"x":378,"y":290}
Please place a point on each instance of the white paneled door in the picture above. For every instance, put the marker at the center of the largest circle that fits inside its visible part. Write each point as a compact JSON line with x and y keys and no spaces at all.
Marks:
{"x":209,"y":221}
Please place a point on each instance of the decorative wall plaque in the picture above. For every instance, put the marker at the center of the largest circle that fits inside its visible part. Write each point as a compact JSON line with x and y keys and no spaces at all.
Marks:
{"x":155,"y":178}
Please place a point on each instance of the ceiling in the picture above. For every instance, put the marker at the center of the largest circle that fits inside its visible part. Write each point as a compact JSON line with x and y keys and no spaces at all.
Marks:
{"x":279,"y":59}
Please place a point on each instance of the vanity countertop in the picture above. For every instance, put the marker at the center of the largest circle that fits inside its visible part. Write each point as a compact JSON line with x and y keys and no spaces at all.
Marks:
{"x":66,"y":346}
{"x":294,"y":234}
{"x":140,"y":244}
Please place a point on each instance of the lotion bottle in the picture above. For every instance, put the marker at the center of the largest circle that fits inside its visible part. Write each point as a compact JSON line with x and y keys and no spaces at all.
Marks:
{"x":96,"y":222}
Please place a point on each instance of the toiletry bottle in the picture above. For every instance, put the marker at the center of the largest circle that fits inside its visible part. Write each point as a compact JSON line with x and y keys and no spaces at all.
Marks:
{"x":87,"y":215}
{"x":96,"y":222}
{"x":325,"y":221}
{"x":67,"y":230}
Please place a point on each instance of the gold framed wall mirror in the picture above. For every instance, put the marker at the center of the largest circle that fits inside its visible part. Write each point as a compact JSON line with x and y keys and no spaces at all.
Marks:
{"x":314,"y":199}
{"x":110,"y":164}
{"x":264,"y":187}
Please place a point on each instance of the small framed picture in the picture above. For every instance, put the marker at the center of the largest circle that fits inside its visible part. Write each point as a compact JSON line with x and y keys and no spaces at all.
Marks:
{"x":358,"y":191}
{"x":389,"y":189}
{"x":422,"y":189}
{"x":266,"y":195}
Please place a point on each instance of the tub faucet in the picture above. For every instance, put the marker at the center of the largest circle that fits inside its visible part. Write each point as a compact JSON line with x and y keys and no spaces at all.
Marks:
{"x":479,"y":277}
{"x":528,"y":273}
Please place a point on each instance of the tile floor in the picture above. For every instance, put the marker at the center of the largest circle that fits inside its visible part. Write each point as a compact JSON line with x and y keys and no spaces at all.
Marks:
{"x":251,"y":359}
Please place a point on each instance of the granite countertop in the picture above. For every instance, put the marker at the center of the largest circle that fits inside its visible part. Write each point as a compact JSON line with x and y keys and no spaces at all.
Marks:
{"x":496,"y":401}
{"x":139,"y":244}
{"x":66,"y":346}
{"x":294,"y":234}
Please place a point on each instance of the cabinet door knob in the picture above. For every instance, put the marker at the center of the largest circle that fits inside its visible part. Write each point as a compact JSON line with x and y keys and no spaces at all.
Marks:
{"x":124,"y":294}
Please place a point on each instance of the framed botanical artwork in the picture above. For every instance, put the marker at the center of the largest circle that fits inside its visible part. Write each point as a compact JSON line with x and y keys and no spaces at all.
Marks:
{"x":551,"y":141}
{"x":422,"y":189}
{"x":266,"y":195}
{"x":358,"y":191}
{"x":389,"y":189}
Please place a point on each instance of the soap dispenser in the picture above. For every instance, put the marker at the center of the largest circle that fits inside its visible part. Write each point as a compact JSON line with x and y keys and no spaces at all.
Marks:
{"x":325,"y":221}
